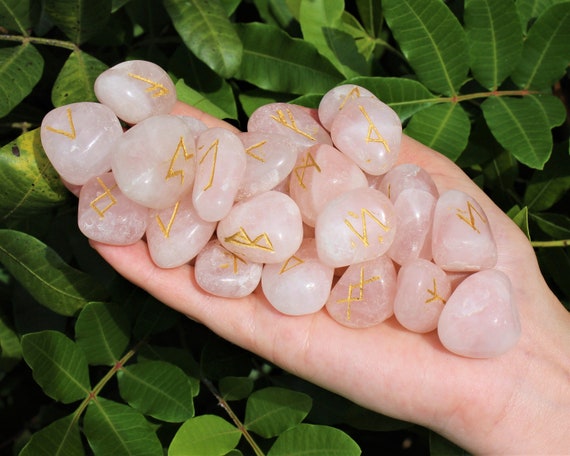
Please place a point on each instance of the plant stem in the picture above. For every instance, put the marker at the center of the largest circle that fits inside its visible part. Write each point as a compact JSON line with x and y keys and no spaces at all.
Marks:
{"x":559,"y":243}
{"x":37,"y":40}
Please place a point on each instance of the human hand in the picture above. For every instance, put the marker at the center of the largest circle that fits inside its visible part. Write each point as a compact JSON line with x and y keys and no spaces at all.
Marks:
{"x":518,"y":402}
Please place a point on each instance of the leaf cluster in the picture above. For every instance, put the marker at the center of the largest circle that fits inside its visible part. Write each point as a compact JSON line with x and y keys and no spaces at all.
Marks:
{"x":110,"y":370}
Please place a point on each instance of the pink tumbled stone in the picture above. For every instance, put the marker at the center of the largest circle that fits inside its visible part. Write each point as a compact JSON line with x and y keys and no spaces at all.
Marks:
{"x":220,"y":168}
{"x":370,"y":133}
{"x":335,"y":99}
{"x":462,"y":239}
{"x":106,"y":215}
{"x":222,"y":273}
{"x":77,"y":139}
{"x":136,"y":90}
{"x":321,"y":174}
{"x":265,"y":228}
{"x":405,"y":177}
{"x":176,"y":234}
{"x":480,"y":319}
{"x":269,"y":160}
{"x":289,"y":120}
{"x":154,"y":161}
{"x":301,"y":284}
{"x":423,"y":290}
{"x":364,"y":295}
{"x":356,"y":226}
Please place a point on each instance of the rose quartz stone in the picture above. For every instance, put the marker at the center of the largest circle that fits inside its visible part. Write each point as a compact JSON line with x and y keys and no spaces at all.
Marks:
{"x":321,"y":174}
{"x":301,"y":284}
{"x":77,"y":139}
{"x":335,"y":99}
{"x":221,"y":162}
{"x":364,"y":295}
{"x":356,"y":226}
{"x":265,"y":228}
{"x":480,"y":319}
{"x":154,"y":161}
{"x":106,"y":215}
{"x":176,"y":234}
{"x":422,"y":291}
{"x":289,"y":120}
{"x":414,"y":214}
{"x":222,"y":273}
{"x":136,"y":90}
{"x":405,"y":177}
{"x":270,"y":158}
{"x":462,"y":239}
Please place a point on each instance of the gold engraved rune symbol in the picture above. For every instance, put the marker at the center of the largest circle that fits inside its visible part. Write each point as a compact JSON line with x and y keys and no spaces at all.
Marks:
{"x":106,"y":194}
{"x":178,"y":172}
{"x":241,"y":237}
{"x":468,"y":216}
{"x":290,"y":263}
{"x":363,"y":236}
{"x":300,"y":170}
{"x":250,"y":149}
{"x":291,"y":123}
{"x":214,"y":147}
{"x":234,"y":260}
{"x":434,"y":294}
{"x":360,"y":285}
{"x":70,"y":134}
{"x":156,"y":88}
{"x":373,"y":134}
{"x":166,"y":229}
{"x":354,"y":93}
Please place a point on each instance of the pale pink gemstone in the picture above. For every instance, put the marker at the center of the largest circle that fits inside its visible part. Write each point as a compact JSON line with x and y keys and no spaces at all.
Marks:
{"x":289,"y":120}
{"x":106,"y":215}
{"x":176,"y":234}
{"x":364,"y":295}
{"x":369,"y":132}
{"x":356,"y":226}
{"x":154,"y":161}
{"x":220,"y":168}
{"x":222,"y":273}
{"x":480,"y":319}
{"x":414,"y":214}
{"x":462,"y":239}
{"x":266,"y":228}
{"x":136,"y":90}
{"x":270,"y":158}
{"x":301,"y":284}
{"x":404,"y":177}
{"x":335,"y":99}
{"x":77,"y":139}
{"x":321,"y":174}
{"x":195,"y":125}
{"x":423,"y":289}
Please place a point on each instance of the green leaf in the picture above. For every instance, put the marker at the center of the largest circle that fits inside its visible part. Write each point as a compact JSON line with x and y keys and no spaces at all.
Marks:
{"x":432,"y":41}
{"x":112,"y":429}
{"x":45,"y":275}
{"x":205,"y":434}
{"x":102,"y":331}
{"x":235,"y":388}
{"x":520,"y":128}
{"x":405,"y":96}
{"x":20,"y":70}
{"x":178,"y":356}
{"x":557,"y":226}
{"x":61,"y":437}
{"x":75,"y":81}
{"x":297,"y":68}
{"x":272,"y":410}
{"x":79,"y":19}
{"x":206,"y":30}
{"x":196,"y":99}
{"x":371,"y":16}
{"x":552,"y":107}
{"x":494,"y":34}
{"x":17,"y":15}
{"x":10,"y":347}
{"x":520,"y":217}
{"x":314,"y":440}
{"x":556,"y":263}
{"x":545,"y":188}
{"x":159,"y":389}
{"x":58,"y":365}
{"x":546,"y":49}
{"x":444,"y":127}
{"x":531,"y":9}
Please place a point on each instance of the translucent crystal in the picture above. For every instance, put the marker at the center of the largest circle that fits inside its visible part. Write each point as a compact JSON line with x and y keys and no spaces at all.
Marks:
{"x":299,"y":285}
{"x":136,"y":90}
{"x":480,"y":319}
{"x":335,"y":99}
{"x":405,"y":177}
{"x":77,"y":139}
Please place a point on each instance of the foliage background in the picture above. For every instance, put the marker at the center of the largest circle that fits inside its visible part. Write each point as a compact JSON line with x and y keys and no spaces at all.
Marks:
{"x":91,"y":365}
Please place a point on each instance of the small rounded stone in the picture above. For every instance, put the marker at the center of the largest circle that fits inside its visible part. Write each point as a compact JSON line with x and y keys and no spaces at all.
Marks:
{"x":335,"y":99}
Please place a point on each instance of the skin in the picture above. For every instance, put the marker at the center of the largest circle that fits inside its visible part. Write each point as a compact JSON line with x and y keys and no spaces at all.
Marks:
{"x":516,"y":403}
